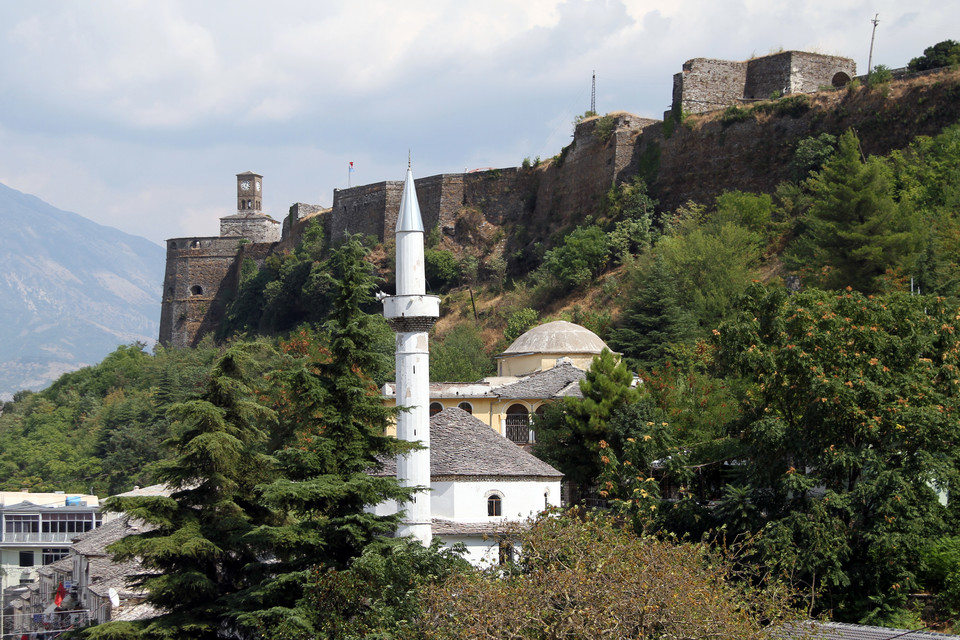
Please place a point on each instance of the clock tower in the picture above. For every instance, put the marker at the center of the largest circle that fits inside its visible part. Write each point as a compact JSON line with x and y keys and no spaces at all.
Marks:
{"x":249,"y":192}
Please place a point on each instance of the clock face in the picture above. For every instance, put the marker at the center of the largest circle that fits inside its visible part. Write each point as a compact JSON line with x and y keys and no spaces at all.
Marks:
{"x":245,"y":185}
{"x":257,"y":184}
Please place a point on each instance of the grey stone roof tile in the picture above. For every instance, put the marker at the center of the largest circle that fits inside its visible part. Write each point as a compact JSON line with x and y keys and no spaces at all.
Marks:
{"x":461,"y":445}
{"x":556,"y":382}
{"x":95,"y":541}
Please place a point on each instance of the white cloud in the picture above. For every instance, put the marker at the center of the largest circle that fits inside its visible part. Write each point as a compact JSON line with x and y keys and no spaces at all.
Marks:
{"x":104,"y":98}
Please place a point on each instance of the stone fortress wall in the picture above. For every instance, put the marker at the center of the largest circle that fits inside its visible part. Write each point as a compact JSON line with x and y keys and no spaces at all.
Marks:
{"x":705,"y":84}
{"x":202,"y":273}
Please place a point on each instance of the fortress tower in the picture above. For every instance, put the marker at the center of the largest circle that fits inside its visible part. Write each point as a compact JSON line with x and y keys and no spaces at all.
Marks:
{"x":202,"y":271}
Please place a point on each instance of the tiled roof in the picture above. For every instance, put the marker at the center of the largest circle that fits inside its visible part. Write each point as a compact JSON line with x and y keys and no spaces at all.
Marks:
{"x":152,"y":490}
{"x":461,"y":445}
{"x":842,"y":631}
{"x":95,"y":541}
{"x":556,"y":382}
{"x":141,"y":611}
{"x":451,"y":528}
{"x":63,"y":565}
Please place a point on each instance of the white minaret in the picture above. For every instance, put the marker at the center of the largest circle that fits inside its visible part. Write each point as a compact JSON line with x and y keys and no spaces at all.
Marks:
{"x":411,"y":314}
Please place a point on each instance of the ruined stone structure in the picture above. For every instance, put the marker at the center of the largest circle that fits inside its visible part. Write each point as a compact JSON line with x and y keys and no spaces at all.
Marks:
{"x":706,"y":84}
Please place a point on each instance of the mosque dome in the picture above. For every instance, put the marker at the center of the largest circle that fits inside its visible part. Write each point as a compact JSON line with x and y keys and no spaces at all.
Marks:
{"x":557,"y":337}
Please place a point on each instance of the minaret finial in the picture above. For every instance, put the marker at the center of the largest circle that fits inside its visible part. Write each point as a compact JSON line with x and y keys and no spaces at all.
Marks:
{"x":408,"y":159}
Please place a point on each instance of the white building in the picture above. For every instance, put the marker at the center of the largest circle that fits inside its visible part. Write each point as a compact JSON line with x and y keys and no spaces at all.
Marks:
{"x":481,"y":485}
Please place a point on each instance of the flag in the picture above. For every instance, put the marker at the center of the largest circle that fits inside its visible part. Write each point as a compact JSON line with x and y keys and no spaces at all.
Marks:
{"x":351,"y":167}
{"x":61,"y":594}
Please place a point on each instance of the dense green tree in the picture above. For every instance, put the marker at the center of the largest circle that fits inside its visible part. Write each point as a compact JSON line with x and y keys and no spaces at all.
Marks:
{"x":582,"y":255}
{"x":569,"y":434}
{"x":854,"y":234}
{"x":652,"y":320}
{"x":590,"y":577}
{"x":336,"y":421}
{"x":710,"y":264}
{"x":460,"y":356}
{"x":197,"y":555}
{"x":942,"y":54}
{"x":849,"y":430}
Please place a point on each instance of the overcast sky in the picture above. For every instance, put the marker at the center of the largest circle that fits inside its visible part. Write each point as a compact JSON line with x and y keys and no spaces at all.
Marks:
{"x":139,"y":114}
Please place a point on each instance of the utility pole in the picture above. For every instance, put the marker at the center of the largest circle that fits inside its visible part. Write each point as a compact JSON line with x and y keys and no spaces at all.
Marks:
{"x":593,"y":94}
{"x":875,"y":22}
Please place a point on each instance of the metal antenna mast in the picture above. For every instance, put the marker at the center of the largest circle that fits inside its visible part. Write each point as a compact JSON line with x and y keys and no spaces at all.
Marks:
{"x":872,"y":34}
{"x":593,"y":94}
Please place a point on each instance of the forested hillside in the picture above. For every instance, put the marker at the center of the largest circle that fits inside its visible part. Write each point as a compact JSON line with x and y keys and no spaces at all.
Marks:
{"x":799,"y":351}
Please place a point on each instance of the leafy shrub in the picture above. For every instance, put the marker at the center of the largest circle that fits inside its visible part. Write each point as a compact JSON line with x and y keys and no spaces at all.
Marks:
{"x":518,"y":323}
{"x":880,"y":74}
{"x":603,"y":128}
{"x":442,"y":269}
{"x":734,"y":114}
{"x":942,"y":54}
{"x":811,"y":153}
{"x":582,"y":255}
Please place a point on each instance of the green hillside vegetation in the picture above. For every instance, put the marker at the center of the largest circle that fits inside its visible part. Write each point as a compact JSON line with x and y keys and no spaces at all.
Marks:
{"x":799,"y":355}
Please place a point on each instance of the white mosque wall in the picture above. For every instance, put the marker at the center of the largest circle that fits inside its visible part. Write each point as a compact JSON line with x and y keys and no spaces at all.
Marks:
{"x":466,"y":501}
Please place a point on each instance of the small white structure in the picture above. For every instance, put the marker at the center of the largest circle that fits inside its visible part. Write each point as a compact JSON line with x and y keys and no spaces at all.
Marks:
{"x":481,"y":485}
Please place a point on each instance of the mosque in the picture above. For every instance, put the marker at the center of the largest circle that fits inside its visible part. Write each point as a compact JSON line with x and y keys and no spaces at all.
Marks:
{"x":480,"y":480}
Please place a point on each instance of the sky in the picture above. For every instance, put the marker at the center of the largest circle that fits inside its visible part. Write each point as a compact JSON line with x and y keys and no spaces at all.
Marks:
{"x":138,"y":115}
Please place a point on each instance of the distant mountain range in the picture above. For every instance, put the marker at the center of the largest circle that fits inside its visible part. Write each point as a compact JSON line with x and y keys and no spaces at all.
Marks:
{"x":71,"y":291}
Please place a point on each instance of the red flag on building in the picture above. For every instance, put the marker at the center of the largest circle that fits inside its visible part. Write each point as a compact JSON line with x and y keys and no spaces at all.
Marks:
{"x":61,"y":594}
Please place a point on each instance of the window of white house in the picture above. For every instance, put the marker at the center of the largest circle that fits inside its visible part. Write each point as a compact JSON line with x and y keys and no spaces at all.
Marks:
{"x":494,"y":506}
{"x":26,"y":558}
{"x":52,"y":555}
{"x":466,"y":406}
{"x":435,"y":408}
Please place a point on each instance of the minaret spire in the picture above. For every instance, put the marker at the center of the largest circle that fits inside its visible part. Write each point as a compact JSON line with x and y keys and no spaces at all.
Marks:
{"x":410,"y":314}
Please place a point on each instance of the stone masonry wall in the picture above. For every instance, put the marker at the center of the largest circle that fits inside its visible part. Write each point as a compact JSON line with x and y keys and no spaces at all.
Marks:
{"x":705,"y":85}
{"x":361,"y":209}
{"x":256,"y":227}
{"x":194,"y":282}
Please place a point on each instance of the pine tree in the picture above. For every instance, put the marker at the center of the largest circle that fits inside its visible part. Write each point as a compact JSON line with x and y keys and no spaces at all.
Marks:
{"x":855,"y":232}
{"x":197,"y":555}
{"x":653,"y":320}
{"x":336,"y":423}
{"x":570,"y":432}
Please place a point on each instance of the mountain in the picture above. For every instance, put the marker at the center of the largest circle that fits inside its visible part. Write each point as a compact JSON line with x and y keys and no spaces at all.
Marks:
{"x":71,"y":290}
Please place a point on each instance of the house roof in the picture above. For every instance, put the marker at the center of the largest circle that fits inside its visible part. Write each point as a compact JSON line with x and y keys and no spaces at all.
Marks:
{"x":461,"y":445}
{"x":95,"y":541}
{"x":559,"y":336}
{"x":443,"y":527}
{"x":556,"y":382}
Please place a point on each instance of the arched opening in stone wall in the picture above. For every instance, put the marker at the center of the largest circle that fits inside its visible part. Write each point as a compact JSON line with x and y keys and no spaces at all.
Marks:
{"x":840,"y":79}
{"x":196,"y":290}
{"x":195,"y":244}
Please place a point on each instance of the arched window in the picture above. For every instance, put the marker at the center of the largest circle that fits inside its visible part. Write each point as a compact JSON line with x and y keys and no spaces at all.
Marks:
{"x":196,"y":290}
{"x":518,"y":424}
{"x":195,"y":244}
{"x":466,"y":406}
{"x":435,"y":408}
{"x":494,"y":506}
